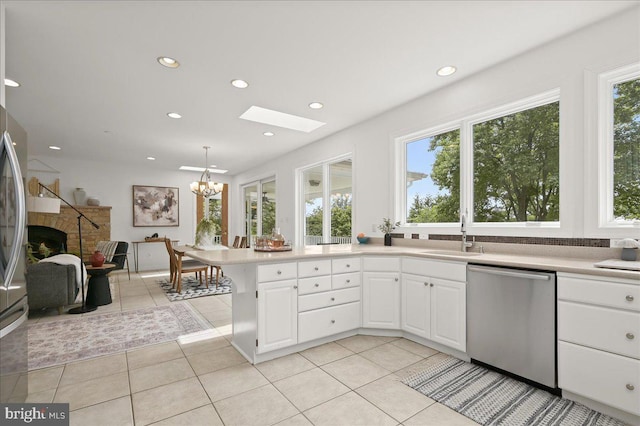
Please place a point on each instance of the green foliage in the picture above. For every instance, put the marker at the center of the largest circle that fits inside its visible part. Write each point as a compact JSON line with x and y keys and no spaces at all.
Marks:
{"x":205,"y":230}
{"x":340,"y":218}
{"x":626,"y":150}
{"x":268,"y":216}
{"x":445,"y":174}
{"x":387,"y":226}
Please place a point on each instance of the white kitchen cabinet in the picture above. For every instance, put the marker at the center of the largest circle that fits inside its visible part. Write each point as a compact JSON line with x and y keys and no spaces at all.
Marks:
{"x":598,"y":330}
{"x":416,"y":302}
{"x":381,"y":300}
{"x":448,"y":313}
{"x":277,"y":315}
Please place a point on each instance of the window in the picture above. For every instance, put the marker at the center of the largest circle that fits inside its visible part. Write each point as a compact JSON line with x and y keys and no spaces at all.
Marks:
{"x":259,"y":208}
{"x":498,"y":167}
{"x":516,"y":165}
{"x":326,"y":202}
{"x":433,"y":178}
{"x":619,"y":147}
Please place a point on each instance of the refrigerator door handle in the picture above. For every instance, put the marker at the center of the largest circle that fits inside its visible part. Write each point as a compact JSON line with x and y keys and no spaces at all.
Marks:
{"x":20,"y":208}
{"x":24,"y":308}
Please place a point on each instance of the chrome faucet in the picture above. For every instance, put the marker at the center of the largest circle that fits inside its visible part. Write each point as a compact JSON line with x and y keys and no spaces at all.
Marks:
{"x":465,"y":244}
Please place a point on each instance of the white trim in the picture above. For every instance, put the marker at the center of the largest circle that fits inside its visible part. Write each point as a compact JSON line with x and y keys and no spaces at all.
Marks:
{"x":605,"y":142}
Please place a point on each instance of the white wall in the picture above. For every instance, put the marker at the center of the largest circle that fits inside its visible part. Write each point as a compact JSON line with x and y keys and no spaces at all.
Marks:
{"x":112,"y":185}
{"x":561,"y":64}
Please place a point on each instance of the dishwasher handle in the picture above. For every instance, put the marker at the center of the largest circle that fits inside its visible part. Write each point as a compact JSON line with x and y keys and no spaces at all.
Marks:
{"x":509,"y":273}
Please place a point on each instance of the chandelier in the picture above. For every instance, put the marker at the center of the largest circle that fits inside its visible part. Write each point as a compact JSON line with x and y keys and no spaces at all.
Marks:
{"x":205,"y":186}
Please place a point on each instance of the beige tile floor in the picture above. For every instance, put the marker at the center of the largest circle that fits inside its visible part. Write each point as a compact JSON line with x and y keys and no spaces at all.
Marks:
{"x":353,"y":381}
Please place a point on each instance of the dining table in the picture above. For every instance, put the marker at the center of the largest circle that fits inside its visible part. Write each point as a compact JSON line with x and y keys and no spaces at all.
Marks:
{"x":181,"y":251}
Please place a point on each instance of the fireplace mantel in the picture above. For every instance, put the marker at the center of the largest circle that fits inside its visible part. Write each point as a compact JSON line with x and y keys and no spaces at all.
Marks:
{"x":67,"y":221}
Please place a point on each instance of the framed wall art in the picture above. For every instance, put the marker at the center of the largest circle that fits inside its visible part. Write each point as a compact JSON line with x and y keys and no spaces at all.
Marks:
{"x":155,"y":206}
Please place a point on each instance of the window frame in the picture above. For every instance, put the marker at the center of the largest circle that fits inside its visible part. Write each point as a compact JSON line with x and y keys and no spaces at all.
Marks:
{"x":465,"y":124}
{"x":605,"y":145}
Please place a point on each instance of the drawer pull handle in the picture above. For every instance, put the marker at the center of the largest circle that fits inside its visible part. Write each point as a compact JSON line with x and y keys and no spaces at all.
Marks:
{"x":348,"y":281}
{"x":348,"y":266}
{"x":295,"y":286}
{"x":333,"y":299}
{"x":630,"y":336}
{"x":334,"y":321}
{"x":317,"y":285}
{"x":279,"y":272}
{"x":629,"y":298}
{"x":315,"y":269}
{"x":630,"y":386}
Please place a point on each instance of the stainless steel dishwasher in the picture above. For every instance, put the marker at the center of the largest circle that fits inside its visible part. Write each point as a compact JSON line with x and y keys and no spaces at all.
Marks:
{"x":511,"y":321}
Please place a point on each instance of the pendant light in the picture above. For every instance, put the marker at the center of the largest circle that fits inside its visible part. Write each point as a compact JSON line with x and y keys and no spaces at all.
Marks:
{"x":205,"y":186}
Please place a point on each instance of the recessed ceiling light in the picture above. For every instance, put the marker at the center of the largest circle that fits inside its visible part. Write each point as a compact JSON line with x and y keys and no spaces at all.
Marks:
{"x":151,"y":158}
{"x":268,"y":133}
{"x":55,"y":148}
{"x":280,"y":119}
{"x":168,"y":62}
{"x":11,"y":83}
{"x":201,"y":169}
{"x":445,"y":71}
{"x":240,"y":84}
{"x":173,"y":115}
{"x":315,"y":105}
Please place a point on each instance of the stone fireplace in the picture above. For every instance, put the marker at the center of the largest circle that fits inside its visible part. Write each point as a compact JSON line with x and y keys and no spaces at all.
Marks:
{"x":67,"y":222}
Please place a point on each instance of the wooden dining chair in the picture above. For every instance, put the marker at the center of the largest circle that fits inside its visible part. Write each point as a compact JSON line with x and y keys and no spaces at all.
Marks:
{"x":243,"y":242}
{"x":177,"y":267}
{"x":236,"y":242}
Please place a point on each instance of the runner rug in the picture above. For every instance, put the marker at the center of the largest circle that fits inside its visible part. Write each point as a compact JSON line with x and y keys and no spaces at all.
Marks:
{"x":490,"y":398}
{"x":88,"y":336}
{"x":192,"y":288}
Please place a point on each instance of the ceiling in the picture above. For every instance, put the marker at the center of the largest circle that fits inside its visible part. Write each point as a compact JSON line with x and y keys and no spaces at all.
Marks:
{"x":90,"y":82}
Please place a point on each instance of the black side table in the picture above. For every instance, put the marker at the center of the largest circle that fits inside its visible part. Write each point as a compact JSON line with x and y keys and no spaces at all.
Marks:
{"x":99,"y":292}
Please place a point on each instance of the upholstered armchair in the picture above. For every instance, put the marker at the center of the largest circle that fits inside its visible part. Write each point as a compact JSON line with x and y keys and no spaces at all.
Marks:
{"x":50,"y":285}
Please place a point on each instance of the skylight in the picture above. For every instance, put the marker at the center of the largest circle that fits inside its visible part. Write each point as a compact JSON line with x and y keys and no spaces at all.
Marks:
{"x":280,"y":119}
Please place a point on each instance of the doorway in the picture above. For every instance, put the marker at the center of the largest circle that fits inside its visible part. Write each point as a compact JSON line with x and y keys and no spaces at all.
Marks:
{"x":218,"y":210}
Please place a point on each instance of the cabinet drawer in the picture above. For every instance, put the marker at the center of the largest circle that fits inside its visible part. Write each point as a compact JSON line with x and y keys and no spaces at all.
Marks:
{"x":314,"y":268}
{"x":325,"y":322}
{"x":599,"y":292}
{"x":328,"y":298}
{"x":612,"y":330}
{"x":599,"y":375}
{"x":276,"y":271}
{"x":349,"y":264}
{"x":455,"y":271}
{"x":345,"y":280}
{"x":314,"y":284}
{"x":381,"y":264}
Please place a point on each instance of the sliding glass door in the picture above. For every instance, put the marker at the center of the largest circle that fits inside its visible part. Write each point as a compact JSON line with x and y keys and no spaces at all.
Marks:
{"x":259,"y":208}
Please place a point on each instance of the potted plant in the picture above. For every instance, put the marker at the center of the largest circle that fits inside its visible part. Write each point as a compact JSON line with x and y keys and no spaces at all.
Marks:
{"x":206,"y":232}
{"x":386,"y":228}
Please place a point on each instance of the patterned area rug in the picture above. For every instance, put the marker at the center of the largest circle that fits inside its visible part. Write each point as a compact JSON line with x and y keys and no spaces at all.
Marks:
{"x":88,"y":336}
{"x":490,"y":398}
{"x":191,"y":288}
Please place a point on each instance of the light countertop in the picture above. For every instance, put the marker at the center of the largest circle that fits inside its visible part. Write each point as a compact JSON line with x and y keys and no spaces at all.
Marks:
{"x":558,"y":264}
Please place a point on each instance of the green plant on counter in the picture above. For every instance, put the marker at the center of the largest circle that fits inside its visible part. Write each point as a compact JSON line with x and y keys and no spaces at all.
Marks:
{"x":387,"y":226}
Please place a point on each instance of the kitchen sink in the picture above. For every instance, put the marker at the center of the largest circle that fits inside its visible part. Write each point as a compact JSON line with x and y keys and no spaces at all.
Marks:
{"x":452,"y":253}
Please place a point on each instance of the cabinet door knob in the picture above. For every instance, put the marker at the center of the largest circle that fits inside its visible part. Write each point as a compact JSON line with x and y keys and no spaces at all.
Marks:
{"x":317,"y":285}
{"x":431,"y":284}
{"x":334,"y":321}
{"x":629,"y":298}
{"x":279,"y":272}
{"x":630,"y":386}
{"x":348,"y":281}
{"x":295,"y":286}
{"x":396,"y":280}
{"x":333,"y":299}
{"x":348,"y":266}
{"x":630,"y":336}
{"x":315,"y":269}
{"x":426,"y":284}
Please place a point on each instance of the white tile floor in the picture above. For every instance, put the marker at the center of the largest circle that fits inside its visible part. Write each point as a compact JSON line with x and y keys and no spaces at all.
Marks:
{"x":353,"y":381}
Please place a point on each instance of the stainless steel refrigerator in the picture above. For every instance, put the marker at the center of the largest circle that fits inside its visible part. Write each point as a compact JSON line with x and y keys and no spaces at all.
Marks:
{"x":13,"y":290}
